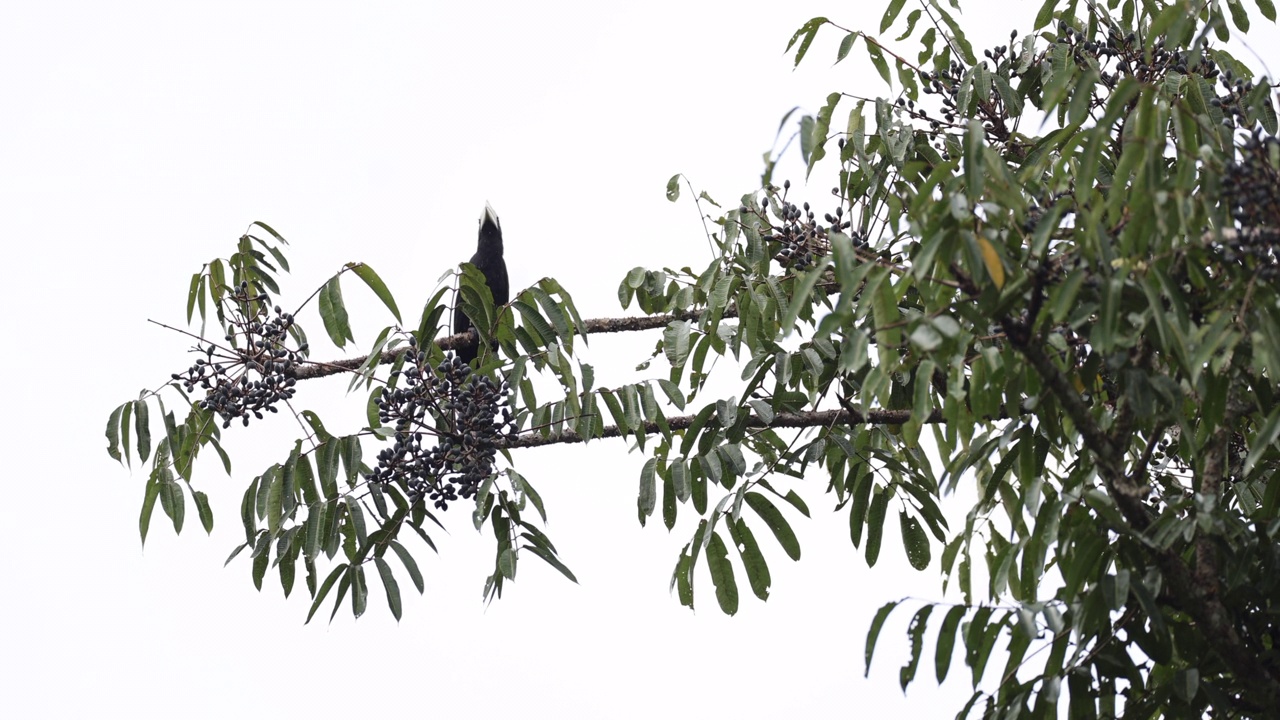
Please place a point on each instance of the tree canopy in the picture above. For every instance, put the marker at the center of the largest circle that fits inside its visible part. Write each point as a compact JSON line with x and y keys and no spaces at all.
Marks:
{"x":1048,"y":273}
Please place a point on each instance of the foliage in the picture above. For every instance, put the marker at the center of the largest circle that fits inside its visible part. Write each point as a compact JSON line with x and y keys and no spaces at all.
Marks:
{"x":1084,"y":315}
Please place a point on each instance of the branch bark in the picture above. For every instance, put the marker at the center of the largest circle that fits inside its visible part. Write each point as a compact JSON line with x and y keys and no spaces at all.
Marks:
{"x":592,"y":326}
{"x":815,"y":418}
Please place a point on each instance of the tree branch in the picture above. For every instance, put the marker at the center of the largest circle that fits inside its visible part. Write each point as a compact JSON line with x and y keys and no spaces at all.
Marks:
{"x":813,"y":418}
{"x":592,"y":326}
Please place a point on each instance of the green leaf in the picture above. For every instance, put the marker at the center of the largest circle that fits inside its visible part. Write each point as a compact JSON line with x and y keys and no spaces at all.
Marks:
{"x":338,"y":572}
{"x":752,"y":559}
{"x":288,"y":570}
{"x":722,"y":574}
{"x":805,"y":35}
{"x":1045,"y":16}
{"x":275,"y":502}
{"x":891,"y":14}
{"x":966,"y":49}
{"x":874,"y":632}
{"x":947,"y":641}
{"x":391,"y":586}
{"x":673,"y":393}
{"x":334,"y":313}
{"x":1268,"y":9}
{"x":875,"y":525}
{"x":551,"y":560}
{"x":648,"y":490}
{"x":776,"y":522}
{"x":142,"y":429}
{"x":673,"y":192}
{"x":877,"y":59}
{"x":113,"y":434}
{"x":174,"y":503}
{"x":197,"y":281}
{"x":248,"y":511}
{"x":312,"y":528}
{"x":359,"y":590}
{"x":846,"y":45}
{"x":915,"y":635}
{"x":379,"y":288}
{"x":148,"y":504}
{"x":410,"y":565}
{"x":675,"y":342}
{"x":357,"y":521}
{"x":260,"y":563}
{"x":1238,"y":15}
{"x":914,"y":540}
{"x":125,"y":426}
{"x":202,"y":507}
{"x":239,"y":549}
{"x":273,"y":234}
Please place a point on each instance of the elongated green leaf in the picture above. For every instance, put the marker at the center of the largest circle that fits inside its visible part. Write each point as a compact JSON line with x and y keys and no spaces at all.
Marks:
{"x":947,"y":641}
{"x":203,"y":509}
{"x":722,"y":574}
{"x":752,"y":559}
{"x":874,"y":632}
{"x":915,"y":541}
{"x":846,"y":45}
{"x":337,"y":572}
{"x":379,"y":288}
{"x":648,"y":498}
{"x":359,"y":590}
{"x":675,"y":342}
{"x":248,"y":514}
{"x":776,"y":522}
{"x":356,"y":513}
{"x":915,"y":635}
{"x":142,"y":428}
{"x":333,"y":312}
{"x":875,"y":526}
{"x":805,"y":35}
{"x":113,"y":434}
{"x":391,"y":586}
{"x":148,"y":504}
{"x":550,"y":558}
{"x":410,"y":565}
{"x":891,"y":14}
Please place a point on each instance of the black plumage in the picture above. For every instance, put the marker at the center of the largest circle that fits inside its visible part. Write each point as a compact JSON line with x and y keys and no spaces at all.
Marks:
{"x":488,"y":259}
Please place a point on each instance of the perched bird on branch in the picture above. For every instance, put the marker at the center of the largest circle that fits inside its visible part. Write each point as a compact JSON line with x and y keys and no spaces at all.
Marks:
{"x":488,"y":259}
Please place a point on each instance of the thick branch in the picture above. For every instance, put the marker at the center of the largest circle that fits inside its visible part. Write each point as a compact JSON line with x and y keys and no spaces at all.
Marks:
{"x":816,"y":418}
{"x":592,"y":326}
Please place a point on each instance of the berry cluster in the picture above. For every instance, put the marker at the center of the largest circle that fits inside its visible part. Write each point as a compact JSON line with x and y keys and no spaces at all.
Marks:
{"x":946,"y":83}
{"x":1232,"y":103}
{"x":471,"y":416}
{"x":800,"y":237}
{"x":257,"y":340}
{"x":1251,"y":188}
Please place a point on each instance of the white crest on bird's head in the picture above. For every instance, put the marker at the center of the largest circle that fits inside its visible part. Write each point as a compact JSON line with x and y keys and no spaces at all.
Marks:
{"x":490,"y":214}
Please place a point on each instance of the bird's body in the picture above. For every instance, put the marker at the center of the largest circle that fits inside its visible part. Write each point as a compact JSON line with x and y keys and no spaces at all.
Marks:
{"x":488,"y":259}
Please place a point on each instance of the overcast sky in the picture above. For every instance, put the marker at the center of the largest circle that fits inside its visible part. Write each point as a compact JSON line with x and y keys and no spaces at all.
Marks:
{"x":138,"y":140}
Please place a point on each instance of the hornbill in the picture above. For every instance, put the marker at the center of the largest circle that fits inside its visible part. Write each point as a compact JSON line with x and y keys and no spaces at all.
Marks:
{"x":488,"y":259}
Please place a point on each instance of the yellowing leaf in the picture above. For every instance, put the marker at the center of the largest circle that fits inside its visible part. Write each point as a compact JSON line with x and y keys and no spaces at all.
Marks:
{"x":991,"y":259}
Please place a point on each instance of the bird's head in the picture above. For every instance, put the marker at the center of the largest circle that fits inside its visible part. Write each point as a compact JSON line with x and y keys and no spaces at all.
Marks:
{"x":490,"y":229}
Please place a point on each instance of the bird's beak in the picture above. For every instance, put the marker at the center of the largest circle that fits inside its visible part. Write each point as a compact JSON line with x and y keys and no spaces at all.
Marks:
{"x":489,"y":216}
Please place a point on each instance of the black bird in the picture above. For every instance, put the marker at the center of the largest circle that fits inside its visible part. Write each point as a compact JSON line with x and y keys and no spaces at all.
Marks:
{"x":488,"y":259}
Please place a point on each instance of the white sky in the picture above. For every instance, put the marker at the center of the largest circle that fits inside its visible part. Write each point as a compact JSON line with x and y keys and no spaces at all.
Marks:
{"x":140,"y":139}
